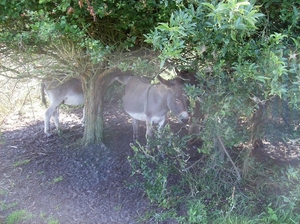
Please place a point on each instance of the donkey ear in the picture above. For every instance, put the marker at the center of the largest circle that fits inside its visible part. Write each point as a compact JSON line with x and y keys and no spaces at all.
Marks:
{"x":165,"y":82}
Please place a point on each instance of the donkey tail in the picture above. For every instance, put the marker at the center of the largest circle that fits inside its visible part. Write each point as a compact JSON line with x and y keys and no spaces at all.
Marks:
{"x":43,"y":94}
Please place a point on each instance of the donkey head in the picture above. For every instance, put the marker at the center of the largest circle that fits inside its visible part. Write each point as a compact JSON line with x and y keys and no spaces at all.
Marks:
{"x":176,"y":99}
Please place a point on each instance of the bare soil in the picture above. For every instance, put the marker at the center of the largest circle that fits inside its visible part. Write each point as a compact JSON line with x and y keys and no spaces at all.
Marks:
{"x":55,"y":180}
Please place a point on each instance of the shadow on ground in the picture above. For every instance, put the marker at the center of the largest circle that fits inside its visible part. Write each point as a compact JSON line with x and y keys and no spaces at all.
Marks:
{"x":55,"y":180}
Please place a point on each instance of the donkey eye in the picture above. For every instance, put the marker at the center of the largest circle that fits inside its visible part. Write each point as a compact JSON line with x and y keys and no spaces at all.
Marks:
{"x":176,"y":100}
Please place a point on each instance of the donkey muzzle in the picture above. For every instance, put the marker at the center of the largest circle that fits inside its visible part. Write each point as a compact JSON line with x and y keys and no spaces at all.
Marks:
{"x":184,"y":117}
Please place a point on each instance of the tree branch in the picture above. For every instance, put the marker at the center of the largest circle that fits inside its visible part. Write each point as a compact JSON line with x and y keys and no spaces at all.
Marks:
{"x":236,"y":169}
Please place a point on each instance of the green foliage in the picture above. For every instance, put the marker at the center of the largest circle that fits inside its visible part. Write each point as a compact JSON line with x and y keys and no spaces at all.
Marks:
{"x":53,"y":221}
{"x":233,"y":15}
{"x":168,"y":37}
{"x":121,"y":23}
{"x":205,"y":24}
{"x":58,"y":179}
{"x":282,"y":16}
{"x":213,"y":39}
{"x":208,"y":189}
{"x":156,"y":167}
{"x":283,"y":207}
{"x":4,"y":206}
{"x":196,"y":212}
{"x":17,"y":216}
{"x":23,"y":162}
{"x":169,"y":179}
{"x":237,"y":64}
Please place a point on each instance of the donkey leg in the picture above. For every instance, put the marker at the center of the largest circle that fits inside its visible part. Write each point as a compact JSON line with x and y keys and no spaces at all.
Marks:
{"x":135,"y":126}
{"x":161,"y":124}
{"x":149,"y":131}
{"x":49,"y":112}
{"x":55,"y":116}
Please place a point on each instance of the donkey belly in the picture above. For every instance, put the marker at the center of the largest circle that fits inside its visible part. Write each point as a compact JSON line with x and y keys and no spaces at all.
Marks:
{"x":74,"y":100}
{"x":133,"y":104}
{"x":137,"y":111}
{"x":138,"y":116}
{"x":143,"y":117}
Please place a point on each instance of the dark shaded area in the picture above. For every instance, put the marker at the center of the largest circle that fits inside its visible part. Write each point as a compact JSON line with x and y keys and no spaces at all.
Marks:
{"x":54,"y":178}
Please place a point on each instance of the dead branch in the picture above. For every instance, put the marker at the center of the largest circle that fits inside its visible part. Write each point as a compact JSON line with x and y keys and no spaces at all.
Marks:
{"x":226,"y":152}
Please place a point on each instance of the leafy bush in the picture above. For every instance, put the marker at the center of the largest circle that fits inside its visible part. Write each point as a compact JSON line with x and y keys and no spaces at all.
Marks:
{"x":192,"y":191}
{"x":196,"y":212}
{"x":238,"y":66}
{"x":157,"y":167}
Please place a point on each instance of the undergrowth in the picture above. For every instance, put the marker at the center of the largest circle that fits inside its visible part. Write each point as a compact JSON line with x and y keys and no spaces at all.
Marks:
{"x":207,"y":190}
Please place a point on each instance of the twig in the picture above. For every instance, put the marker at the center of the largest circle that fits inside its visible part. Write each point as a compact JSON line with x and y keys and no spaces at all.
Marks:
{"x":189,"y":167}
{"x":223,"y":147}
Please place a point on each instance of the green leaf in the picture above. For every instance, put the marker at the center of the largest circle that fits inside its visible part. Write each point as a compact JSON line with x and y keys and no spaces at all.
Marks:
{"x":210,"y":6}
{"x":261,"y":78}
{"x":233,"y":35}
{"x":163,"y":26}
{"x":44,"y":1}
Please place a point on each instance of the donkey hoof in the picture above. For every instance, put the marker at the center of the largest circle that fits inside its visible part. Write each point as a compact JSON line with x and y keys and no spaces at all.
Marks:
{"x":48,"y":134}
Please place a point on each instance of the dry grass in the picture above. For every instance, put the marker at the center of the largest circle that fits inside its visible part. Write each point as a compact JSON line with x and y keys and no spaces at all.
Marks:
{"x":18,"y":96}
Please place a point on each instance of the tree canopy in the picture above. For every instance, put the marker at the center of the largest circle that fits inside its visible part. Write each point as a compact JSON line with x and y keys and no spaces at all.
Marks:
{"x":90,"y":24}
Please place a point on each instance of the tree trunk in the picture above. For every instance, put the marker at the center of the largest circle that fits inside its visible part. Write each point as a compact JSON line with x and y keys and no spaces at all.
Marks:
{"x":93,"y":124}
{"x":95,"y":85}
